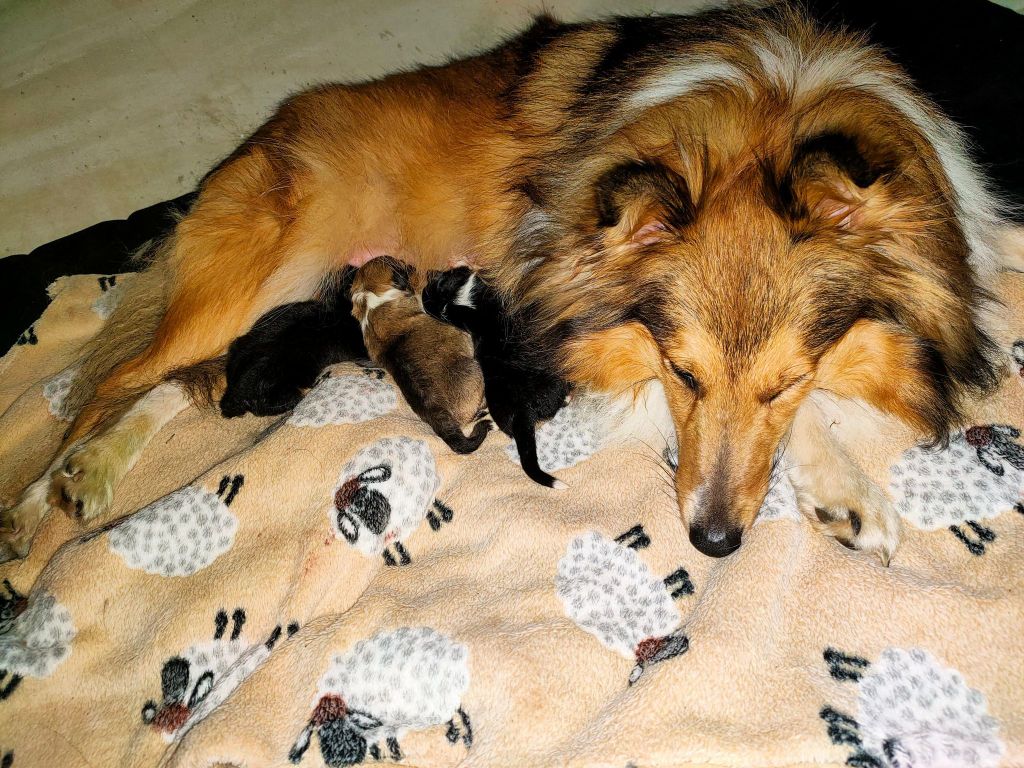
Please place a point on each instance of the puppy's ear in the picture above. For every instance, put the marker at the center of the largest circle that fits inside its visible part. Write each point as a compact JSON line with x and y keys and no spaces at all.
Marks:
{"x":642,"y":203}
{"x":403,"y":276}
{"x":832,"y":181}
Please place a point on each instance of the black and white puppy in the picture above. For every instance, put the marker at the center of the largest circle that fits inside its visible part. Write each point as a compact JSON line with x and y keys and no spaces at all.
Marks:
{"x":519,"y":393}
{"x":271,"y":366}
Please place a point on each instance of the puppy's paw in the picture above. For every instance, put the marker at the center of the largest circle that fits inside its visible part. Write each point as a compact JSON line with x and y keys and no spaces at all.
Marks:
{"x":868,"y":525}
{"x":84,"y":486}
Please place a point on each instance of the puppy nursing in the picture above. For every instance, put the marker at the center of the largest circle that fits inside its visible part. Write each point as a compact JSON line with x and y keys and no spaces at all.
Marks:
{"x":519,"y":392}
{"x":431,"y":362}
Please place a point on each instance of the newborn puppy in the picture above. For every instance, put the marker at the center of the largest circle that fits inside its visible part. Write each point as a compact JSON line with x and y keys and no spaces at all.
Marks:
{"x":270,"y":367}
{"x":431,"y":362}
{"x":518,"y":392}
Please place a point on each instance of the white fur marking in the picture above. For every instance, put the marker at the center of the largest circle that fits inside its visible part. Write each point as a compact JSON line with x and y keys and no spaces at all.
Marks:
{"x":681,"y":80}
{"x":464,"y":297}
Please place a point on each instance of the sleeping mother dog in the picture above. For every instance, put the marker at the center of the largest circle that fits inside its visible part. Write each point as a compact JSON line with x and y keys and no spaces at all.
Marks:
{"x":734,"y":211}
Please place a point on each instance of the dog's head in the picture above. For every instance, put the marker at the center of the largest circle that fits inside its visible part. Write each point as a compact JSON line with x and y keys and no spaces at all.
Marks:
{"x":749,"y":244}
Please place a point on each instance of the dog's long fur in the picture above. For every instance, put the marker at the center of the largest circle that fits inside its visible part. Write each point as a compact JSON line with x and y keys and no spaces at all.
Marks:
{"x":738,"y":205}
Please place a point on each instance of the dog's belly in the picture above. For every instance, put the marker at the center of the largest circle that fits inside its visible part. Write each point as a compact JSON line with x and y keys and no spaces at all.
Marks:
{"x":363,"y":254}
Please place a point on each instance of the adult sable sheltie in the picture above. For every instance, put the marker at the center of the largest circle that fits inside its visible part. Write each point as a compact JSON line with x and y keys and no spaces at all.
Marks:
{"x":737,"y":208}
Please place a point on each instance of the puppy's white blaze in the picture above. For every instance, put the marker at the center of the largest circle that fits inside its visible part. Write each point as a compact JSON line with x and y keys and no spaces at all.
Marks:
{"x":464,"y":297}
{"x":374,"y":300}
{"x":680,"y":79}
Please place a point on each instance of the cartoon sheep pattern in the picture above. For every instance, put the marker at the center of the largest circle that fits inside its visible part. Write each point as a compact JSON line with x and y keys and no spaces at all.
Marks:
{"x":574,"y":434}
{"x":347,"y":399}
{"x":913,"y":712}
{"x":411,"y":678}
{"x":383,"y":493}
{"x":36,"y":637}
{"x":201,"y":678}
{"x":608,"y":591}
{"x":978,"y":476}
{"x":182,"y":533}
{"x":56,"y":391}
{"x":28,"y":337}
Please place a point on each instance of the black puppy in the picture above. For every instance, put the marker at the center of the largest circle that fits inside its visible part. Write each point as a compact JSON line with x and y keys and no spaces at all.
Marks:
{"x":518,"y":391}
{"x":281,"y":356}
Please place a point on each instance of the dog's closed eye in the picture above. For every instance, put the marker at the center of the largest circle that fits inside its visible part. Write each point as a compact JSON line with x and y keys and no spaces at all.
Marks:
{"x":769,"y":397}
{"x":686,"y":377}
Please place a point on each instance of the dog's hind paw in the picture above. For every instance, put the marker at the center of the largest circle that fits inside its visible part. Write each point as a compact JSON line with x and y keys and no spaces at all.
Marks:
{"x":84,"y":485}
{"x":18,"y":524}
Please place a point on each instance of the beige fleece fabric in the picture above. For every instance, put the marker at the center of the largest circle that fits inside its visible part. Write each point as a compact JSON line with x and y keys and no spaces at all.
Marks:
{"x":336,"y":586}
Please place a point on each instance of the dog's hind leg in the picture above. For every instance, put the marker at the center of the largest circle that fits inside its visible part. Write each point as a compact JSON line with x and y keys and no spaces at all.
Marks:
{"x":835,"y":494}
{"x":227,"y":261}
{"x":83,"y":486}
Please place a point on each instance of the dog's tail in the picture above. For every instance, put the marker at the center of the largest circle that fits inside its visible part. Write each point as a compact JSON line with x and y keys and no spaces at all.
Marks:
{"x":449,"y":430}
{"x":129,"y":330}
{"x":524,"y":433}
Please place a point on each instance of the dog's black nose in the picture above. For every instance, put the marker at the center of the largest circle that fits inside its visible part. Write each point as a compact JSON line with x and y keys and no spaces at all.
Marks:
{"x":715,"y":541}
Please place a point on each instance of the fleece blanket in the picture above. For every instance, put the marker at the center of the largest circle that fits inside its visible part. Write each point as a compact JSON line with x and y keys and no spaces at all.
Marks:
{"x":336,"y":587}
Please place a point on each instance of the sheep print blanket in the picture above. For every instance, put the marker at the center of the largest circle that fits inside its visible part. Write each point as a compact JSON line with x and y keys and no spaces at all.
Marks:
{"x":336,"y":587}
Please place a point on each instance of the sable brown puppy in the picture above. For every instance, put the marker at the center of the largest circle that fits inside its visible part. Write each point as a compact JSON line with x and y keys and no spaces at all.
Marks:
{"x":519,"y":393}
{"x":431,"y":362}
{"x":738,"y":208}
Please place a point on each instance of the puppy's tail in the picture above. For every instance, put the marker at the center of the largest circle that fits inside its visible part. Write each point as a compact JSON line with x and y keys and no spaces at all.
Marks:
{"x":449,"y":430}
{"x":524,"y":433}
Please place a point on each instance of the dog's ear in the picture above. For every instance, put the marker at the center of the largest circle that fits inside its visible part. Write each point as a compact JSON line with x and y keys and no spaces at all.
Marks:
{"x":642,"y":202}
{"x":832,"y":180}
{"x":616,"y":359}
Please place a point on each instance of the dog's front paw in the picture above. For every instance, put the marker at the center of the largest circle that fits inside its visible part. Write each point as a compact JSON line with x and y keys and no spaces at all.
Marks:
{"x":84,"y":486}
{"x":869,"y":524}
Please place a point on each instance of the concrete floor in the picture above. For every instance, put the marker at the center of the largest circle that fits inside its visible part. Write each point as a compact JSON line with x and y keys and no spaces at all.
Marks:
{"x":110,"y":105}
